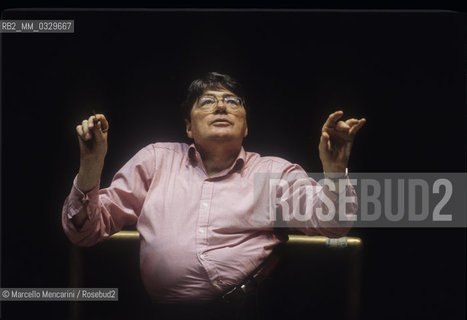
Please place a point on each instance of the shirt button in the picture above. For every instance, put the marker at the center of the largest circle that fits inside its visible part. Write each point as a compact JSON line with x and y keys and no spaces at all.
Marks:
{"x":202,"y":256}
{"x":205,"y":204}
{"x":200,"y":230}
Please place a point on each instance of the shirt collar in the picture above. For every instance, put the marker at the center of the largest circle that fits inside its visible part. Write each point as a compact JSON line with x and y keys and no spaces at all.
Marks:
{"x":194,"y":159}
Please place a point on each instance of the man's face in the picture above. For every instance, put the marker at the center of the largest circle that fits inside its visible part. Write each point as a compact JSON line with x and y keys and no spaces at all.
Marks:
{"x":218,"y":115}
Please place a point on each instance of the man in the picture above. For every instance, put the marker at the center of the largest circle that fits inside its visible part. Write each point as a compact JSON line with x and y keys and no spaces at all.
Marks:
{"x":195,"y":206}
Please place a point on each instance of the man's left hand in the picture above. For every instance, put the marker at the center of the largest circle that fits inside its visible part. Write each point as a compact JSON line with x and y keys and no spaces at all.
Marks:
{"x":336,"y":143}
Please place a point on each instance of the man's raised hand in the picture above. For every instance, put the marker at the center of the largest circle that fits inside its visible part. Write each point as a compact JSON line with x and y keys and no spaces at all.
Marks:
{"x":92,"y":137}
{"x":336,"y":142}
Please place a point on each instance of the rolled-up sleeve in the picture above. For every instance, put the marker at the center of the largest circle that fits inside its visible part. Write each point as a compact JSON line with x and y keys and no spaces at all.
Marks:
{"x":109,"y":210}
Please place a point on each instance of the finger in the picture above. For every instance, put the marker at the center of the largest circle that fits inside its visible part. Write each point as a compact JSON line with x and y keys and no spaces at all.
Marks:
{"x":338,"y":136}
{"x":101,"y":128}
{"x":332,"y":119}
{"x":87,"y":134}
{"x":104,"y":123}
{"x":357,"y":127}
{"x":91,"y":122}
{"x":79,"y":131}
{"x":342,"y":126}
{"x":99,"y":133}
{"x":352,"y":122}
{"x":324,"y":142}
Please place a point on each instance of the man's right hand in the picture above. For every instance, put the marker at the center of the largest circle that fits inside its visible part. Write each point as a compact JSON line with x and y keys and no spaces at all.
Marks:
{"x":92,"y":137}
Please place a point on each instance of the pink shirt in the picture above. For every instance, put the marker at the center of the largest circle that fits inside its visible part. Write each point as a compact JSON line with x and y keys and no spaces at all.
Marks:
{"x":198,"y":236}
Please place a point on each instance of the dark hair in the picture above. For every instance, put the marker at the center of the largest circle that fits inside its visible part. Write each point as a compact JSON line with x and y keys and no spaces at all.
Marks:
{"x":210,"y":81}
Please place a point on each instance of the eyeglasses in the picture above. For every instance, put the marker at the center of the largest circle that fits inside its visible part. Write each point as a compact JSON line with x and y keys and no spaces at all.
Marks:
{"x":210,"y":102}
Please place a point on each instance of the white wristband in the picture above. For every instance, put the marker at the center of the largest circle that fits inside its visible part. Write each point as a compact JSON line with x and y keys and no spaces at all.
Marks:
{"x":346,"y":174}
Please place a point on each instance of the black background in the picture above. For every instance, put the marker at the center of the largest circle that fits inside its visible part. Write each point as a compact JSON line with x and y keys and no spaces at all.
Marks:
{"x":404,"y":72}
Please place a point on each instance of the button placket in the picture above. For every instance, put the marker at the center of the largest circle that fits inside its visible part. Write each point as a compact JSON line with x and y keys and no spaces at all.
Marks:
{"x":201,"y":234}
